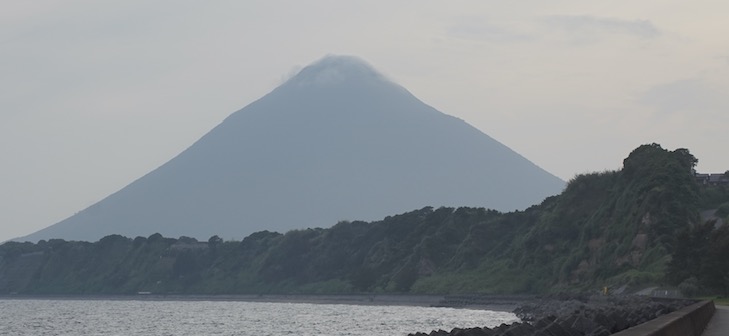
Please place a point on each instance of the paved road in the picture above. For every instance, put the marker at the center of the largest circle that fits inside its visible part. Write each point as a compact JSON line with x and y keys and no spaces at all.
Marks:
{"x":719,"y":324}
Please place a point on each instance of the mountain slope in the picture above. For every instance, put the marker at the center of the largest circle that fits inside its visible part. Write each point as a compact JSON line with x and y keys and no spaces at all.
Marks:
{"x":337,"y":141}
{"x":617,"y":228}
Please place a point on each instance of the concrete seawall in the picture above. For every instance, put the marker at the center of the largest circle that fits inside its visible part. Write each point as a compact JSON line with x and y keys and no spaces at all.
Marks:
{"x":564,"y":315}
{"x":688,"y":321}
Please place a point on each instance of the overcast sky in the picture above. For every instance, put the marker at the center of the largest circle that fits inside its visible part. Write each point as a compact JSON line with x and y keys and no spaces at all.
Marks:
{"x":95,"y":94}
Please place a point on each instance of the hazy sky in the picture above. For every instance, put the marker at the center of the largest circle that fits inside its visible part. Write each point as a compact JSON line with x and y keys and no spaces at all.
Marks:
{"x":95,"y":94}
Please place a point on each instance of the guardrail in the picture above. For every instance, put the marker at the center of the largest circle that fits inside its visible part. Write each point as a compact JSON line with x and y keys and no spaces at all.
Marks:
{"x":688,"y":321}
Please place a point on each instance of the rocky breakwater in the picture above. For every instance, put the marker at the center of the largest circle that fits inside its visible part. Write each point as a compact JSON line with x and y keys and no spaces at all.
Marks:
{"x":575,"y":316}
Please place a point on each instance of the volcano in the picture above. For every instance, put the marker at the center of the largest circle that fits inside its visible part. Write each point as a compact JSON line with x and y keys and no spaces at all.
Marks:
{"x":338,"y":141}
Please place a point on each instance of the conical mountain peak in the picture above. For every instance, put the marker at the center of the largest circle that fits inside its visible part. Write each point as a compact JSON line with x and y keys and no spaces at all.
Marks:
{"x":335,"y":70}
{"x":337,"y":141}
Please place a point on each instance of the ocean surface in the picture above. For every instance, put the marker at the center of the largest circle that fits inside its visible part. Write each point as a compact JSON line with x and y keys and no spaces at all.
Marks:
{"x":148,"y":317}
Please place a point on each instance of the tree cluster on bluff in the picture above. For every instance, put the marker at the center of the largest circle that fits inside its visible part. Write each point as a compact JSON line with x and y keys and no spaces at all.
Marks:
{"x":636,"y":226}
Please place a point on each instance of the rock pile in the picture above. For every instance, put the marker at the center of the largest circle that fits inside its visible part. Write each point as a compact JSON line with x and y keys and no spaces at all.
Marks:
{"x":575,"y":316}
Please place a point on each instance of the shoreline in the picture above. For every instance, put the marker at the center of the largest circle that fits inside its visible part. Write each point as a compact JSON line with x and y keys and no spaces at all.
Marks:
{"x":495,"y":303}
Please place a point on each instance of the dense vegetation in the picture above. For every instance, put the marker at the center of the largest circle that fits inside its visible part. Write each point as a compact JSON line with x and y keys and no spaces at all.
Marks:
{"x":611,"y":228}
{"x":700,"y":260}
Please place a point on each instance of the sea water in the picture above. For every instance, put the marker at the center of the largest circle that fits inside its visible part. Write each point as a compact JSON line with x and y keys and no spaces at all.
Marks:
{"x":148,"y":317}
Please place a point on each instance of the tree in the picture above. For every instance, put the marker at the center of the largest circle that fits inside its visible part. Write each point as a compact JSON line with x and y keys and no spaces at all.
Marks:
{"x":185,"y":264}
{"x":214,"y":241}
{"x":715,"y":264}
{"x":689,"y":253}
{"x":155,"y":238}
{"x":722,"y":211}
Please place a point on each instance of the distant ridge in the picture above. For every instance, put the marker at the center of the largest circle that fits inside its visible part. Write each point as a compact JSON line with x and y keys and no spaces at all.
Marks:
{"x":338,"y":141}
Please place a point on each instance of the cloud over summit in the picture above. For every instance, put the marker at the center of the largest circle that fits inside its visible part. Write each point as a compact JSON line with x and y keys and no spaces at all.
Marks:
{"x":335,"y":69}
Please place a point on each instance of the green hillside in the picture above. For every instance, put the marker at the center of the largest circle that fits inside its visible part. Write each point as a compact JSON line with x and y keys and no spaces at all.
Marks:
{"x":611,"y":228}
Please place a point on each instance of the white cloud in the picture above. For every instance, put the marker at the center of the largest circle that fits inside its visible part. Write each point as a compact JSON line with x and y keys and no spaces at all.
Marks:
{"x":585,"y":29}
